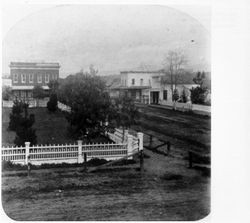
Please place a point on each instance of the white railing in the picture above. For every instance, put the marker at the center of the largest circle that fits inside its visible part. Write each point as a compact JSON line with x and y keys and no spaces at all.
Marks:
{"x":32,"y":103}
{"x":8,"y":104}
{"x":117,"y":136}
{"x":72,"y":153}
{"x":63,"y":107}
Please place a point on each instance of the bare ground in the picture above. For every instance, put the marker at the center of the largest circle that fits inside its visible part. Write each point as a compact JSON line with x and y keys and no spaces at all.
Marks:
{"x":167,"y":190}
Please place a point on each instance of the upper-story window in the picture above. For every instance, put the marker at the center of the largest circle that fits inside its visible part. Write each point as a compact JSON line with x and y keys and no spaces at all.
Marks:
{"x":23,"y":78}
{"x":141,"y":82}
{"x":39,"y":78}
{"x":31,"y":78}
{"x":46,"y":78}
{"x":15,"y":79}
{"x":133,"y":81}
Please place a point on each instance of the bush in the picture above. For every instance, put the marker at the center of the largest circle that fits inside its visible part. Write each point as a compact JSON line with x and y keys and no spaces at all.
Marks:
{"x":176,"y":95}
{"x":198,"y":95}
{"x":16,"y":115}
{"x":24,"y":134}
{"x":52,"y":103}
{"x":22,"y":124}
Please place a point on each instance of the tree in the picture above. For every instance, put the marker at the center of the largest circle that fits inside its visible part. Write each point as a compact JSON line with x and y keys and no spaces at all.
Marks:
{"x":90,"y":104}
{"x":53,"y":85}
{"x":22,"y":124}
{"x":199,"y":78}
{"x":126,"y":113}
{"x":15,"y":115}
{"x":184,"y":96}
{"x":176,"y":95}
{"x":52,"y":103}
{"x":198,"y":95}
{"x":6,"y":93}
{"x":174,"y":62}
{"x":38,"y":93}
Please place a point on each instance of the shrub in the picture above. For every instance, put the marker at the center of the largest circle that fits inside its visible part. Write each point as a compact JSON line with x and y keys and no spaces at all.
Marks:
{"x":176,"y":95}
{"x":16,"y":115}
{"x":52,"y":103}
{"x":198,"y":95}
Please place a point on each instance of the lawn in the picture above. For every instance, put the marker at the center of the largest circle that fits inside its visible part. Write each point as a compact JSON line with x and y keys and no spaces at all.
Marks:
{"x":51,"y":128}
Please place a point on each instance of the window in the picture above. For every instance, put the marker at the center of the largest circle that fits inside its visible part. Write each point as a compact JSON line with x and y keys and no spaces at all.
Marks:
{"x":15,"y":78}
{"x":165,"y":95}
{"x":133,"y":81}
{"x":46,"y":78}
{"x":39,"y":78}
{"x":23,"y":78}
{"x":141,"y":82}
{"x":31,"y":78}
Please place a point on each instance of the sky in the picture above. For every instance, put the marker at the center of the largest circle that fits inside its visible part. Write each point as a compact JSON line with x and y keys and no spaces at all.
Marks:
{"x":112,"y":38}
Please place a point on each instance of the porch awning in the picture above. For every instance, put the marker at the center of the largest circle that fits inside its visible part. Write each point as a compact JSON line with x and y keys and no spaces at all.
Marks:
{"x":132,"y":88}
{"x":27,"y":87}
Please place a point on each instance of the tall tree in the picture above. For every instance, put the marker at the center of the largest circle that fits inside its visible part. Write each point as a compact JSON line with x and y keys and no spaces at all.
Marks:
{"x":53,"y":85}
{"x":90,"y":104}
{"x":126,"y":113}
{"x":199,"y":78}
{"x":174,"y":62}
{"x":21,"y":123}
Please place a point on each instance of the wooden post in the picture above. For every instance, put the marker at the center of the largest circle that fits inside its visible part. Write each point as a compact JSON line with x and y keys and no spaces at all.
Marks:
{"x":150,"y":140}
{"x":125,"y":135}
{"x":141,"y":160}
{"x":85,"y":161}
{"x":190,"y":159}
{"x":29,"y":165}
{"x":27,"y":152}
{"x":80,"y":158}
{"x":168,"y":147}
{"x":129,"y":146}
{"x":140,"y":138}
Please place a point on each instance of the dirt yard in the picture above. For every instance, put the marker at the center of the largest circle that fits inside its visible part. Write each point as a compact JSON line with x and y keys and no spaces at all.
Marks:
{"x":166,"y":190}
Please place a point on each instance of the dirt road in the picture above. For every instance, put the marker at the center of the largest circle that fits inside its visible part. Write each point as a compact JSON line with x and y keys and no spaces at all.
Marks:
{"x":167,"y":190}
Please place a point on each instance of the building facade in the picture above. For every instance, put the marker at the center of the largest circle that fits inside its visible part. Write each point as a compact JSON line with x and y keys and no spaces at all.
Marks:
{"x":26,"y":75}
{"x":147,"y":87}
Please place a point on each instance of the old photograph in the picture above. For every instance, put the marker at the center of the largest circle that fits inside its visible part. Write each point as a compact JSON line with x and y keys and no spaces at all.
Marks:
{"x":106,"y":113}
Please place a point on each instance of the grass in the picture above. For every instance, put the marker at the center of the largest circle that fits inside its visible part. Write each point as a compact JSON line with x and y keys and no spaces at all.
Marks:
{"x":51,"y":128}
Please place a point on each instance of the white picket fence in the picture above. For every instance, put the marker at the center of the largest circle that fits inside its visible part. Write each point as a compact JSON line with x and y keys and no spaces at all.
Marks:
{"x":42,"y":103}
{"x":72,"y":153}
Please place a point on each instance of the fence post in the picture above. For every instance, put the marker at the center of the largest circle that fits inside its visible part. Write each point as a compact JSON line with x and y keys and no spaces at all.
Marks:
{"x":141,"y":155}
{"x":85,"y":161}
{"x":126,"y":135}
{"x":80,"y":158}
{"x":140,"y":138}
{"x":27,"y":152}
{"x":130,"y":145}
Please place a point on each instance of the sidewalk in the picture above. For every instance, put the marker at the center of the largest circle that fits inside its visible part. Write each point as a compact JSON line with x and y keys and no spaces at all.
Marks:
{"x":197,"y":109}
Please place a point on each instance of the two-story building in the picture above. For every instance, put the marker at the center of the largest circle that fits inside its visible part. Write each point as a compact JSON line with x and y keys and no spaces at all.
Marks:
{"x":147,"y":87}
{"x":26,"y":75}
